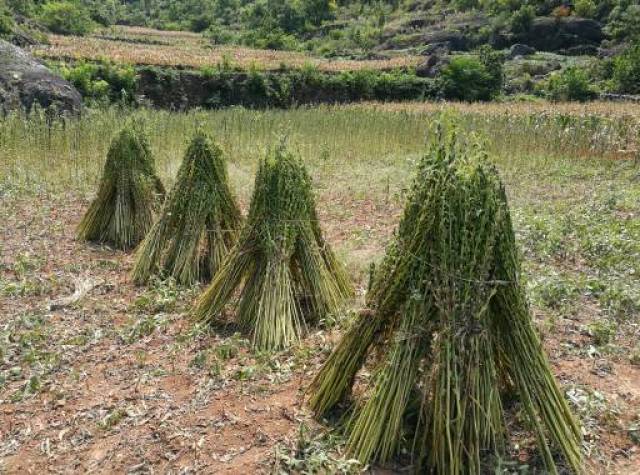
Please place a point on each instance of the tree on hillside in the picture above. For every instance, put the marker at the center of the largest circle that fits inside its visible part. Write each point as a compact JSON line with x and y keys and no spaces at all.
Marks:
{"x":318,"y":11}
{"x":66,"y":18}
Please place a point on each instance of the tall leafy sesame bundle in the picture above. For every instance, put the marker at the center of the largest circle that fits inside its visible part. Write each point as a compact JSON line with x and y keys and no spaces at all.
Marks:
{"x":128,"y":196}
{"x":198,"y":224}
{"x":290,"y":275}
{"x":448,"y":318}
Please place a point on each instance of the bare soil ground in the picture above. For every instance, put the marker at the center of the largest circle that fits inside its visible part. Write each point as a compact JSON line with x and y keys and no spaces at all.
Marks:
{"x":124,"y":382}
{"x":121,"y":382}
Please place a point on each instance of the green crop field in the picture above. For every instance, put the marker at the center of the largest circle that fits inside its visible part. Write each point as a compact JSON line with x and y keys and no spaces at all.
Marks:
{"x":122,"y":380}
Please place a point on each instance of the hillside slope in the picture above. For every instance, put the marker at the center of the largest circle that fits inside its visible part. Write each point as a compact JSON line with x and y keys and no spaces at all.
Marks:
{"x":559,"y":50}
{"x":354,"y":28}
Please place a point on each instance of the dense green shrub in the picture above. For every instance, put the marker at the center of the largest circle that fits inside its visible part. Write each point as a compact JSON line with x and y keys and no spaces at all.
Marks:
{"x":275,"y":15}
{"x":522,"y":19}
{"x":493,"y":61}
{"x":66,"y":18}
{"x":266,"y":38}
{"x":317,"y":11}
{"x":103,"y":12}
{"x":465,"y":4}
{"x":221,"y":35}
{"x":585,"y":8}
{"x":6,"y":19}
{"x":624,"y":20}
{"x":469,"y":78}
{"x":102,"y":81}
{"x":200,"y":23}
{"x":23,"y":7}
{"x":571,"y":84}
{"x":6,"y":24}
{"x":626,"y":71}
{"x":285,"y":88}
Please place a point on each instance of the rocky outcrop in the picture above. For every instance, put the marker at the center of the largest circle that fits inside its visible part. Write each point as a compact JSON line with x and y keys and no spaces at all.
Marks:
{"x":432,"y":66}
{"x":446,"y":40}
{"x":25,"y":82}
{"x":554,"y":34}
{"x":620,"y":97}
{"x":581,"y":50}
{"x":434,"y":35}
{"x":519,"y":50}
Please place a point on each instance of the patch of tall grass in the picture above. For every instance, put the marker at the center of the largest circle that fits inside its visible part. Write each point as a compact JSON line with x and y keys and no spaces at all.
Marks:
{"x":37,"y":154}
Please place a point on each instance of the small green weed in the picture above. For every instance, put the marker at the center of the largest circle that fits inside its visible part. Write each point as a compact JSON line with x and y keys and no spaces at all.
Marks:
{"x":112,"y":419}
{"x":602,"y":332}
{"x":143,"y":327}
{"x":314,"y":453}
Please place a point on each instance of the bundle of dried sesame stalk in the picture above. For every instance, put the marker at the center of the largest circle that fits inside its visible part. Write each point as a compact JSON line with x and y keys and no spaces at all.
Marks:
{"x":447,"y":312}
{"x":289,"y":273}
{"x":199,"y":222}
{"x":130,"y":193}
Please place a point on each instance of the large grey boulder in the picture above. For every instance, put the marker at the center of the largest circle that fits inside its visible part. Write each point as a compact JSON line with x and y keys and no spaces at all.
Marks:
{"x":520,"y":50}
{"x":25,"y":82}
{"x":554,"y":34}
{"x":432,"y":66}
